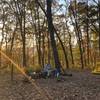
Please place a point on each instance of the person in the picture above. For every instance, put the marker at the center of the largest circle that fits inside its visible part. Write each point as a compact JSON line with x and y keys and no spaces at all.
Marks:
{"x":46,"y":70}
{"x":57,"y":74}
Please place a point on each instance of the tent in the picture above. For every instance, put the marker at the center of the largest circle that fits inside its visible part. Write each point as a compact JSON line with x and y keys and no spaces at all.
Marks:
{"x":97,"y":69}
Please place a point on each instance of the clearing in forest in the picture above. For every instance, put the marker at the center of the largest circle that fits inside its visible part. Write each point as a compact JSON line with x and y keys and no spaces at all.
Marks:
{"x":80,"y":86}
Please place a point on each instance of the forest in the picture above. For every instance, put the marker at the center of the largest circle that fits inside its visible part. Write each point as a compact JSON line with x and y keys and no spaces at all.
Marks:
{"x":49,"y":49}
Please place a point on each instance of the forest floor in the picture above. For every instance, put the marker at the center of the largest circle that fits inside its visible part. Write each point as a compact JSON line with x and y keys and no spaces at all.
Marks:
{"x":80,"y":86}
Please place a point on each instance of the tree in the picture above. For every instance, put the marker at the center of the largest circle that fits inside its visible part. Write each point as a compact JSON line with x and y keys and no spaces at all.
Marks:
{"x":74,"y":11}
{"x":52,"y":33}
{"x":20,"y":7}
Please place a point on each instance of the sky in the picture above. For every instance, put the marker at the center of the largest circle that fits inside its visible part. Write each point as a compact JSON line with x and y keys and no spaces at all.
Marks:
{"x":63,"y":10}
{"x":90,"y":1}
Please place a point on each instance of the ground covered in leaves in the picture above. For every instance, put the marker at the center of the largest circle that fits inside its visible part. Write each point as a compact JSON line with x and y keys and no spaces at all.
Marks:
{"x":82,"y":85}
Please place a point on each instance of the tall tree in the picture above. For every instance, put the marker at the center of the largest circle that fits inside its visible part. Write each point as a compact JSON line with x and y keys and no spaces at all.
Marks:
{"x":52,"y":34}
{"x":87,"y":31}
{"x":20,"y":7}
{"x":78,"y":32}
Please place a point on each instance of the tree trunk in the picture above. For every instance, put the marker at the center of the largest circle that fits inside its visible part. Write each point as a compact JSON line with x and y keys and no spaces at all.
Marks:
{"x":52,"y":38}
{"x":78,"y":35}
{"x":24,"y":40}
{"x":99,"y":22}
{"x":43,"y":49}
{"x":39,"y":38}
{"x":49,"y":53}
{"x":87,"y":31}
{"x":70,"y":45}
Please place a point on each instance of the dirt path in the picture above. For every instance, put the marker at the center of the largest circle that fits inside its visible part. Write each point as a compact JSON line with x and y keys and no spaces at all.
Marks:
{"x":81,"y":86}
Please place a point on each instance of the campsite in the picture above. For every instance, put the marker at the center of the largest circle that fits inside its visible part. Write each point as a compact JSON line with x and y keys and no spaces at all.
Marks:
{"x":50,"y":50}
